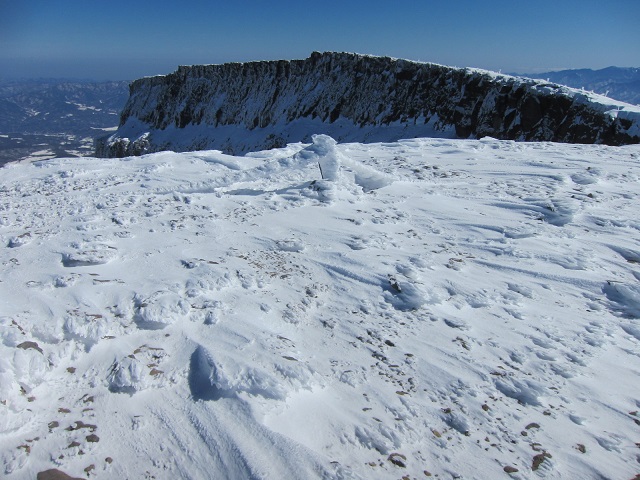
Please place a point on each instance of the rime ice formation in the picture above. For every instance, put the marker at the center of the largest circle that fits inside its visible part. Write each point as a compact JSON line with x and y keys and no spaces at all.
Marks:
{"x":240,"y":107}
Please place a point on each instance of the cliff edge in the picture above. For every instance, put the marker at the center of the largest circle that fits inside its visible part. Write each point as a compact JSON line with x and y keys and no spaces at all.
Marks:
{"x":240,"y":107}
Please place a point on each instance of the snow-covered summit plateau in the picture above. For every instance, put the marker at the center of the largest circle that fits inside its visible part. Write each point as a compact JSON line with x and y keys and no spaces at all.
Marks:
{"x":241,"y":107}
{"x":428,"y":308}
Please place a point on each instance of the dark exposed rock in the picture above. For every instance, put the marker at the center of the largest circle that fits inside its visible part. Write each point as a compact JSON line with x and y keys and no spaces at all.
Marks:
{"x":29,"y":345}
{"x":398,"y":460}
{"x":538,"y":460}
{"x":237,"y":107}
{"x":80,"y":424}
{"x":55,"y":474}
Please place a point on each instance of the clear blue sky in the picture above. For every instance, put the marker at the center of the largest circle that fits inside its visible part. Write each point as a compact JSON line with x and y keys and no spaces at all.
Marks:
{"x":127,"y":39}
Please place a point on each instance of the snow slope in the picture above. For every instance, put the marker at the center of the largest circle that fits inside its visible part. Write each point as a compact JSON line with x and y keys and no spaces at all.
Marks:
{"x":429,"y":307}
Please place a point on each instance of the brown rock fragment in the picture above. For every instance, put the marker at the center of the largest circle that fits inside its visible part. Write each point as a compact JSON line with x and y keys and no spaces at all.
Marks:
{"x":55,"y":474}
{"x":398,"y":460}
{"x":539,"y":459}
{"x":29,"y":345}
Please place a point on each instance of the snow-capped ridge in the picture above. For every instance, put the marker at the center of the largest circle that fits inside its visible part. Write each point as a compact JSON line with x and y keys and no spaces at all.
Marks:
{"x":242,"y":107}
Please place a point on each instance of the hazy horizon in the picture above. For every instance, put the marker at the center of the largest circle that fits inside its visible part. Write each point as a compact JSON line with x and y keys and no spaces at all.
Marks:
{"x":61,"y":73}
{"x":124,"y":41}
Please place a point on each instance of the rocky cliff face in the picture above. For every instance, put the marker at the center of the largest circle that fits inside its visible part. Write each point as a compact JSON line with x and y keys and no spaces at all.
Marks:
{"x":238,"y":107}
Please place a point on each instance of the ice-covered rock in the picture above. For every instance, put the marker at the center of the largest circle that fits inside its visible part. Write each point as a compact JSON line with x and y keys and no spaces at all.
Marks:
{"x":323,"y":150}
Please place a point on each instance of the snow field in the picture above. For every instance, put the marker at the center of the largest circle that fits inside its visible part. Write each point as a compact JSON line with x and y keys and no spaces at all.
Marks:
{"x":453,"y":308}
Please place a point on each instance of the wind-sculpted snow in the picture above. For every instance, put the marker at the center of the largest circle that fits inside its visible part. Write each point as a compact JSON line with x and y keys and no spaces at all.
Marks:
{"x":240,"y":107}
{"x":428,"y":308}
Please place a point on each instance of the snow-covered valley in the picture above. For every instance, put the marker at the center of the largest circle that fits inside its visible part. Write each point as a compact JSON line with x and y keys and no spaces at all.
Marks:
{"x":430,"y":308}
{"x":42,"y":119}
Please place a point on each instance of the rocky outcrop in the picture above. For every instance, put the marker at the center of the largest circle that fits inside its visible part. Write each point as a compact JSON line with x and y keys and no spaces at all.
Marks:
{"x":238,"y":107}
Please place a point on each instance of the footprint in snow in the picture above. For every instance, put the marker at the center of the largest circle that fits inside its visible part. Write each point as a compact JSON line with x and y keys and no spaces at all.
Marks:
{"x":631,"y":256}
{"x":137,"y":371}
{"x":20,"y":240}
{"x":611,"y":443}
{"x":211,"y":379}
{"x":160,"y":310}
{"x":358,"y":243}
{"x":87,"y":328}
{"x":62,"y":281}
{"x":624,"y":298}
{"x":402,"y":295}
{"x":457,"y":323}
{"x":587,"y":177}
{"x":89,"y":255}
{"x":290,"y":245}
{"x":522,"y":231}
{"x":525,"y":391}
{"x":631,"y":329}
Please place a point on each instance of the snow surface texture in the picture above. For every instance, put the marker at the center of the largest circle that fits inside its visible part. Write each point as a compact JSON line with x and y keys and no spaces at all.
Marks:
{"x":241,"y":107}
{"x":454,"y":308}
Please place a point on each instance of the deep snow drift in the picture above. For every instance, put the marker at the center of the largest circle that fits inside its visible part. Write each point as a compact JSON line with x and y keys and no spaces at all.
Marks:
{"x":453,"y":308}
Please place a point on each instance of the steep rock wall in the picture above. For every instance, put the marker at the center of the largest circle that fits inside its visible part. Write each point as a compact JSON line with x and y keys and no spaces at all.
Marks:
{"x":238,"y":107}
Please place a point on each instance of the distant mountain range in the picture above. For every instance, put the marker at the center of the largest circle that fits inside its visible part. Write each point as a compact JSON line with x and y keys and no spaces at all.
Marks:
{"x":56,"y":117}
{"x":614,"y":82}
{"x":60,"y":106}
